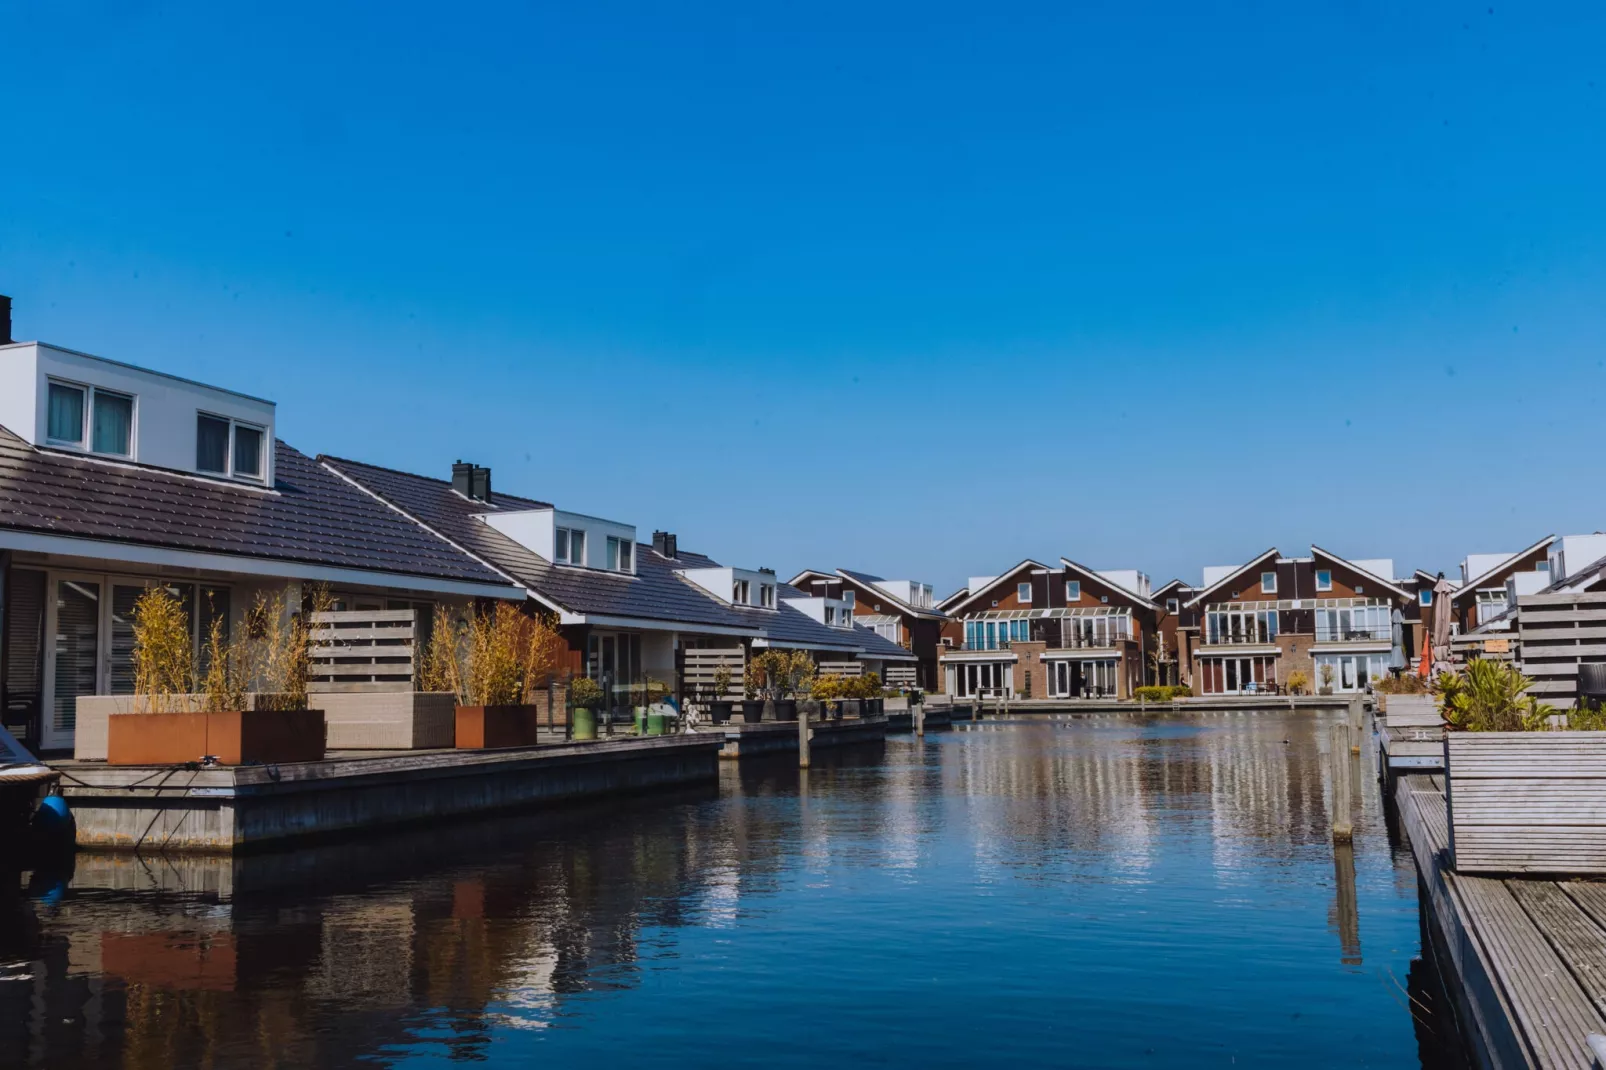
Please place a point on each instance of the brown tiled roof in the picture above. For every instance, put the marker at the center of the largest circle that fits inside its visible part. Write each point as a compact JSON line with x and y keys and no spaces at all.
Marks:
{"x":311,"y":516}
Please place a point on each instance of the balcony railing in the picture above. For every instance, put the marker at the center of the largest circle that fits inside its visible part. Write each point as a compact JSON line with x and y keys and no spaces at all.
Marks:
{"x":1096,"y":641}
{"x":1240,"y":639}
{"x":1354,"y":635}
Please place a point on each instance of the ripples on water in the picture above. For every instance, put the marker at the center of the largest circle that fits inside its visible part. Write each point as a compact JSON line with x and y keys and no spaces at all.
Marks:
{"x":1090,"y":892}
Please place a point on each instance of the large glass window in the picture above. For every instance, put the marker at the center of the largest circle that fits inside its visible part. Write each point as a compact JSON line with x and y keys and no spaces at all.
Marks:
{"x":65,"y":423}
{"x":1324,"y":580}
{"x":1268,"y":583}
{"x":211,"y":444}
{"x":227,"y":448}
{"x":247,"y":451}
{"x":114,"y":424}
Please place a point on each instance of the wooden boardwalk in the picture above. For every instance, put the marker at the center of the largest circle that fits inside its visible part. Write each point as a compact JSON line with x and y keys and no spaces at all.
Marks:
{"x":1529,"y":954}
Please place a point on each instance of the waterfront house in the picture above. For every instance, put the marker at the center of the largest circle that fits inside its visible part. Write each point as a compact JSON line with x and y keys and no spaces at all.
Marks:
{"x":1481,"y":591}
{"x":628,"y":611}
{"x":115,"y":478}
{"x":1050,"y":632}
{"x":899,"y":611}
{"x":1324,"y":616}
{"x":1176,"y":633}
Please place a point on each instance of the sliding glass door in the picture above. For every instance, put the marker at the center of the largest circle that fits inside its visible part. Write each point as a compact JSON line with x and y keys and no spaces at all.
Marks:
{"x":73,"y":654}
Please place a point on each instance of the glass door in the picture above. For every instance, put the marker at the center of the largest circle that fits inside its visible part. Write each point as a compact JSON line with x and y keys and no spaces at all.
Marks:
{"x":74,"y":654}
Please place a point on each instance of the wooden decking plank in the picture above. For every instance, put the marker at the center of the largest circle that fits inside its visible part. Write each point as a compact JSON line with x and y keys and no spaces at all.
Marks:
{"x":1575,"y":937}
{"x":1553,"y":1013}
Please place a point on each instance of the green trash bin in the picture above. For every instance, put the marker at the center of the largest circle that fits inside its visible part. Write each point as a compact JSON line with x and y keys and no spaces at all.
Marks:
{"x":585,"y":724}
{"x":658,"y":724}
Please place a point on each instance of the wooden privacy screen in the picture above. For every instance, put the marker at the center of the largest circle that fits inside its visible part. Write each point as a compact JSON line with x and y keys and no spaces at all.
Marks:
{"x":1554,"y":633}
{"x":363,"y":651}
{"x":1526,"y":802}
{"x":702,"y":663}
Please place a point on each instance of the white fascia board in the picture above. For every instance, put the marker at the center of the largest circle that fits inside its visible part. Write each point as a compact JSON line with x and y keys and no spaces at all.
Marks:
{"x":803,"y":644}
{"x":1318,"y":551}
{"x":645,"y":624}
{"x":1472,"y":583}
{"x":136,"y":554}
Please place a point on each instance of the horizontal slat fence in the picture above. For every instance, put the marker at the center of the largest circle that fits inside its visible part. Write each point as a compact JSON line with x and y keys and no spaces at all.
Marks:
{"x":357,"y":651}
{"x":1527,"y":802}
{"x":841,"y":668}
{"x":697,"y":678}
{"x":1556,"y":632}
{"x":899,"y":675}
{"x":1412,"y":711}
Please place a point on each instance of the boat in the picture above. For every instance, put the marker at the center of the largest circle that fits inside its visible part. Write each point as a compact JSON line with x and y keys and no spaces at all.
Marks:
{"x":24,"y":783}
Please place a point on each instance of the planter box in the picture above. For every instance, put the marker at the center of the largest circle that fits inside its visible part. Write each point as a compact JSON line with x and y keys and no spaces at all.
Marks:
{"x":394,"y":720}
{"x":1526,"y":802}
{"x":490,"y":727}
{"x":94,"y":712}
{"x":271,"y":737}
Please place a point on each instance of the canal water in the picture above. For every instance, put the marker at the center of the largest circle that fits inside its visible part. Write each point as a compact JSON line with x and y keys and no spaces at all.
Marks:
{"x":1101,"y":891}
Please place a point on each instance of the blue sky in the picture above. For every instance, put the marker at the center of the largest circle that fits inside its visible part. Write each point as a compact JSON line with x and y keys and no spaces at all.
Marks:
{"x":921,"y":289}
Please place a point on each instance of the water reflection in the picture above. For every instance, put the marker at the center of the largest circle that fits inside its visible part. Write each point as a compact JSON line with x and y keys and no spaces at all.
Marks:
{"x":1122,"y":878}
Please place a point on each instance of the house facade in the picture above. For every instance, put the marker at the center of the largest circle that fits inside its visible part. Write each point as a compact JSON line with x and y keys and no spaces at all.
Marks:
{"x":1325,"y":617}
{"x":1049,"y":631}
{"x":900,"y":611}
{"x":1176,"y":634}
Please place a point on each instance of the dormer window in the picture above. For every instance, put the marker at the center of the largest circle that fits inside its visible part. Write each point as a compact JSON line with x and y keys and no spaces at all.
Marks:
{"x":226,"y":447}
{"x":830,"y":615}
{"x":618,"y":554}
{"x":110,"y":428}
{"x":847,"y":596}
{"x":766,"y":595}
{"x":570,"y":546}
{"x":1324,"y":579}
{"x":740,"y":591}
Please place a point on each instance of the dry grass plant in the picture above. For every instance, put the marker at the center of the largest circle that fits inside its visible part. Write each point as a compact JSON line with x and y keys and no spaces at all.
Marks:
{"x":498,"y":658}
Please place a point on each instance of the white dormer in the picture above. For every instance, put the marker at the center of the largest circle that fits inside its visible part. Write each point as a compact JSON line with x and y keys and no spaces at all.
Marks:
{"x":738,"y":586}
{"x":1129,"y":579}
{"x":831,"y":612}
{"x":1381,"y":567}
{"x":1573,"y":553}
{"x":1475,"y":565}
{"x":908,"y":591}
{"x":77,"y":403}
{"x":570,"y":538}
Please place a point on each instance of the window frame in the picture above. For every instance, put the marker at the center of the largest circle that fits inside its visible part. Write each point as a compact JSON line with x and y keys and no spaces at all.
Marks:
{"x":1327,"y":584}
{"x":229,"y":470}
{"x":87,"y":395}
{"x":1073,"y":591}
{"x":1173,"y":606}
{"x":1272,"y":576}
{"x":1023,"y":592}
{"x":617,"y":555}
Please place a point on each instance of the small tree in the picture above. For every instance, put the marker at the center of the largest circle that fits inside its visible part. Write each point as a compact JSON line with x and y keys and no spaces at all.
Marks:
{"x":499,"y":658}
{"x":1298,"y":681}
{"x":585,"y":692}
{"x":722,"y":683}
{"x":1327,"y":675}
{"x":777,"y":674}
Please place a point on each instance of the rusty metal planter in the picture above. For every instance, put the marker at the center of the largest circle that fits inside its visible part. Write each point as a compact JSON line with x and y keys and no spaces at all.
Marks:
{"x":488,"y":727}
{"x":233,"y":737}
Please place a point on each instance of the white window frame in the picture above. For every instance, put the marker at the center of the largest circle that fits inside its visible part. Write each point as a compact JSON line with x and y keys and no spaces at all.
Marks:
{"x":618,"y":554}
{"x":1023,"y":591}
{"x":741,"y":591}
{"x":565,"y":540}
{"x":1173,"y":606}
{"x":1272,"y":588}
{"x":847,"y":596}
{"x":86,"y":419}
{"x":1073,"y":591}
{"x":766,"y":595}
{"x":1320,"y":584}
{"x":228,"y":471}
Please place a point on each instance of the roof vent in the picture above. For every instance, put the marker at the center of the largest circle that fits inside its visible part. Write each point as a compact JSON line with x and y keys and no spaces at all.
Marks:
{"x":664,"y":544}
{"x":479,"y":484}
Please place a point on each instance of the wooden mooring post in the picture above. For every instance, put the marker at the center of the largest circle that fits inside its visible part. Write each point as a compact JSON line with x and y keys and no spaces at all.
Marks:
{"x":917,"y":711}
{"x":1357,"y":718}
{"x":1338,"y":771}
{"x":803,"y":735}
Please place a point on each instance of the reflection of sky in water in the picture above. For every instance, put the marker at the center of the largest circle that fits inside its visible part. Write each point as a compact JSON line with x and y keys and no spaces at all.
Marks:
{"x":1096,"y":891}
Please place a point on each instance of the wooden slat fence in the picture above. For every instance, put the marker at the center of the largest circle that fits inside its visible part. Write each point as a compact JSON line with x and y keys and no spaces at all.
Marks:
{"x":841,"y":668}
{"x":359,"y":651}
{"x":702,"y":663}
{"x":900,"y":675}
{"x":1556,"y":632}
{"x":1527,"y":802}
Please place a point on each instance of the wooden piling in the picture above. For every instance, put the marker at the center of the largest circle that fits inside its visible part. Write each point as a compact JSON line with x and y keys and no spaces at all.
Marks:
{"x":917,"y":711}
{"x":803,"y":735}
{"x":1339,"y":774}
{"x":1357,"y":715}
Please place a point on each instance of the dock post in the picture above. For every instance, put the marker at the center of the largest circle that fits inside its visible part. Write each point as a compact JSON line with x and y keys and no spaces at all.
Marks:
{"x":1338,"y":761}
{"x":803,"y":734}
{"x":1357,"y":714}
{"x":917,"y":710}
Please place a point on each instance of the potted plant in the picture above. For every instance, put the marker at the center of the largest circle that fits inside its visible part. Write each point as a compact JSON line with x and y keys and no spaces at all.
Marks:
{"x":870,"y":693}
{"x":586,"y":694}
{"x":828,"y":690}
{"x":776,"y":676}
{"x":494,"y":662}
{"x":1298,"y":682}
{"x":720,"y":705}
{"x":248,"y":703}
{"x":1326,"y":674}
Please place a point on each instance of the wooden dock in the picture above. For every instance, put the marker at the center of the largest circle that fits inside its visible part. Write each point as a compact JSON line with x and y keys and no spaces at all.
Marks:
{"x":235,"y":808}
{"x":1525,"y":958}
{"x":1013,"y":707}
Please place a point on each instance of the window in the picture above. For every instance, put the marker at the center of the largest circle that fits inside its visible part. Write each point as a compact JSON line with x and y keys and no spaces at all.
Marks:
{"x":66,"y":422}
{"x":627,"y":554}
{"x":1324,"y":580}
{"x":830,"y":614}
{"x":739,"y":593}
{"x":111,"y":422}
{"x":228,"y":448}
{"x":1491,"y":603}
{"x":1073,"y":591}
{"x":570,"y":546}
{"x":766,"y":595}
{"x":618,"y":554}
{"x":1023,"y":592}
{"x":1424,"y":597}
{"x":1268,"y":583}
{"x":847,"y":596}
{"x":1172,"y":606}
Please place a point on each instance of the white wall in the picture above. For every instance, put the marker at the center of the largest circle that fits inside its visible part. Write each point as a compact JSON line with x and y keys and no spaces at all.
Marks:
{"x":1476,"y":565}
{"x":1381,"y":567}
{"x":916,"y":594}
{"x":536,"y":530}
{"x":165,"y":407}
{"x":1128,"y":579}
{"x":721,"y":582}
{"x":815,"y":608}
{"x":1217,"y":573}
{"x":1573,"y":553}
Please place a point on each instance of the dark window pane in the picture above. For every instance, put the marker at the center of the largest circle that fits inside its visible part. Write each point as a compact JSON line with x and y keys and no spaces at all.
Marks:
{"x":211,"y":444}
{"x":114,"y":423}
{"x":247,"y":451}
{"x":66,"y":413}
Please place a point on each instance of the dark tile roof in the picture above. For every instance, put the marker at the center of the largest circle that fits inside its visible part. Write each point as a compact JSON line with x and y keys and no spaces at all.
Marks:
{"x":655,"y":592}
{"x":311,"y":517}
{"x":862,"y":577}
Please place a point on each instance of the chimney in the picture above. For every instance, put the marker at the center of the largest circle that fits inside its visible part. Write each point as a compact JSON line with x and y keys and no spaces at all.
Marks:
{"x":663,"y":543}
{"x":480,"y":484}
{"x":462,"y":478}
{"x":5,"y":320}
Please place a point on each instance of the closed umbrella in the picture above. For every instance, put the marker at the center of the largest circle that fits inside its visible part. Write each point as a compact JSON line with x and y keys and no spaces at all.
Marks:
{"x":1397,"y":662}
{"x":1441,"y":624}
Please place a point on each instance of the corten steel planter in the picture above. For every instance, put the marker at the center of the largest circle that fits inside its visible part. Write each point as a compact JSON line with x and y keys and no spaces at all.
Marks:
{"x":271,"y":737}
{"x":491,"y":727}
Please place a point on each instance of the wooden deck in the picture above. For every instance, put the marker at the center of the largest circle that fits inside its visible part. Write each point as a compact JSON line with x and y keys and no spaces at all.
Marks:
{"x":1529,"y":954}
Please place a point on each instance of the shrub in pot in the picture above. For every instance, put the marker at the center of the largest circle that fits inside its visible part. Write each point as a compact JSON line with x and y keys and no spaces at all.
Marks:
{"x":775,"y":677}
{"x":494,"y":662}
{"x":586,"y":694}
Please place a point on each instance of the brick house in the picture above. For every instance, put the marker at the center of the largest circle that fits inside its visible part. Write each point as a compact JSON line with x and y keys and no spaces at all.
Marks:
{"x":1176,"y":633}
{"x":1324,"y":616}
{"x":898,"y":610}
{"x":1043,"y":631}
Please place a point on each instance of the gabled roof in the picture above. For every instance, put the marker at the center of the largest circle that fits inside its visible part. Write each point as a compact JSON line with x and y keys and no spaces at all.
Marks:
{"x":1317,"y":551}
{"x":868,"y":583}
{"x":1158,"y":594}
{"x":1506,"y":565}
{"x":947,"y":604}
{"x":1105,"y":581}
{"x":996,"y":580}
{"x":310,"y":517}
{"x":1252,"y":563}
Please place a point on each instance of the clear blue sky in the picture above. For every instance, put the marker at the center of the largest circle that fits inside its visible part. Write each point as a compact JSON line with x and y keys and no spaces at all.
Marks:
{"x":921,"y":289}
